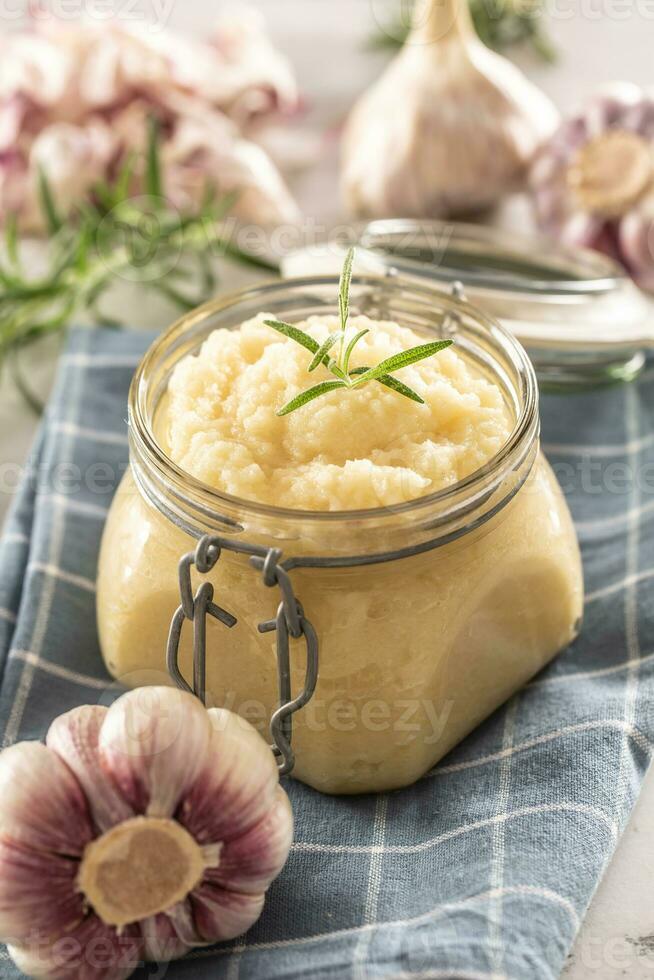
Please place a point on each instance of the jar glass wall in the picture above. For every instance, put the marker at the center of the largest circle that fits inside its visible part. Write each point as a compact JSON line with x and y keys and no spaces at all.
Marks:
{"x":455,"y":599}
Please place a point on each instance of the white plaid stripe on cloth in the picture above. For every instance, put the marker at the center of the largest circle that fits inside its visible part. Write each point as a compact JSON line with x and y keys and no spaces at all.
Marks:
{"x":485,"y":867}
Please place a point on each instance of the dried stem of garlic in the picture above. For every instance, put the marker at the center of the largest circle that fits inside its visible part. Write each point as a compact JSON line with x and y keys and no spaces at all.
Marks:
{"x":144,"y":829}
{"x":449,"y":128}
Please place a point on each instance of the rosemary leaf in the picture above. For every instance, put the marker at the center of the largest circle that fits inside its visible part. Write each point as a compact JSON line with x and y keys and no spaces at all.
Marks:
{"x":208,"y":275}
{"x":230,"y":251}
{"x":307,"y":396}
{"x":294,"y":333}
{"x":103,"y":194}
{"x":11,"y":240}
{"x":153,"y":181}
{"x":220,"y":207}
{"x":48,"y":206}
{"x":323,"y":350}
{"x":344,"y":289}
{"x":338,"y":371}
{"x":31,"y":398}
{"x":104,"y":235}
{"x":175,"y":295}
{"x":350,"y":347}
{"x":340,"y":366}
{"x":124,"y":178}
{"x":403,"y":359}
{"x":390,"y":382}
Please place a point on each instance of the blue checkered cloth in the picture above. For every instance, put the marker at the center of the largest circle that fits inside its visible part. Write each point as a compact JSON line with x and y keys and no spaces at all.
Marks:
{"x":485,"y":867}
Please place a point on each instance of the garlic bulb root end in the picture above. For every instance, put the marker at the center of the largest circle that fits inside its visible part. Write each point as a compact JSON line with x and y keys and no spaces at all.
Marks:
{"x":139,"y":868}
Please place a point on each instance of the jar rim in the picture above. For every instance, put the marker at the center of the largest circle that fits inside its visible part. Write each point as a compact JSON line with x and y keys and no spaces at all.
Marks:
{"x":145,"y":443}
{"x":535,"y":266}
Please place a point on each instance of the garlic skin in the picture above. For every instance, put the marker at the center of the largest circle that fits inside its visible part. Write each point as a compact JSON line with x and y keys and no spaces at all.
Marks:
{"x":136,"y":832}
{"x":449,"y":128}
{"x":592,"y":183}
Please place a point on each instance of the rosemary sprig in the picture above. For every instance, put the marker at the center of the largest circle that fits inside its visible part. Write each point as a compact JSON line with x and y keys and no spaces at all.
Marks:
{"x":111,"y":236}
{"x":500,"y":24}
{"x":340,"y":366}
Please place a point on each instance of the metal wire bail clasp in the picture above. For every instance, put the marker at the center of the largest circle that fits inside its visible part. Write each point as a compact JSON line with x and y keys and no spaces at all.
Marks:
{"x":290,"y":621}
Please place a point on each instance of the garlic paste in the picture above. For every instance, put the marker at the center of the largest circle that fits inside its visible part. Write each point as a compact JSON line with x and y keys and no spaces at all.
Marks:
{"x":414,"y":652}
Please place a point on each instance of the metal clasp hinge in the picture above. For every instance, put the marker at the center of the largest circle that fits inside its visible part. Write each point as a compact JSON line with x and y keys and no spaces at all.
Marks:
{"x":290,"y":621}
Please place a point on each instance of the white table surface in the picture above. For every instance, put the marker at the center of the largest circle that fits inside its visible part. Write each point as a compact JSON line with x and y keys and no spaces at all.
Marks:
{"x":599,"y":41}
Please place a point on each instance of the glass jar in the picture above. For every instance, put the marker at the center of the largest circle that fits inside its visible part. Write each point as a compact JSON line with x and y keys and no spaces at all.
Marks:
{"x":428,"y":614}
{"x":581,"y":318}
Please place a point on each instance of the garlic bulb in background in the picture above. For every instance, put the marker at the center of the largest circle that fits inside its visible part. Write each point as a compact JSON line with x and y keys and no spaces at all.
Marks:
{"x":135,"y":833}
{"x":593,"y":183}
{"x":449,"y":127}
{"x":75,"y":98}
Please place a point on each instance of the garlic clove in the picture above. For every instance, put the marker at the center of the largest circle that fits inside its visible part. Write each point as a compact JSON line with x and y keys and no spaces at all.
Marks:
{"x":37,"y":892}
{"x":250,"y":862}
{"x":231,"y":895}
{"x":611,"y":105}
{"x":91,"y":951}
{"x":161,"y":940}
{"x":74,"y":737}
{"x":239,"y":770}
{"x":580,"y":229}
{"x":43,"y":806}
{"x":181,"y":919}
{"x":153,"y":743}
{"x":220,"y":914}
{"x":449,"y":127}
{"x":636,"y":237}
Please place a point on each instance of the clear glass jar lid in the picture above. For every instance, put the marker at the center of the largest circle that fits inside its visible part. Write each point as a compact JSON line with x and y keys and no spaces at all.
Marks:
{"x":546,"y":293}
{"x":579,"y":315}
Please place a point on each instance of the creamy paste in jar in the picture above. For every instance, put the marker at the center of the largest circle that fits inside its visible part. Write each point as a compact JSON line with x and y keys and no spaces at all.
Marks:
{"x":369,"y":447}
{"x":414,"y":653}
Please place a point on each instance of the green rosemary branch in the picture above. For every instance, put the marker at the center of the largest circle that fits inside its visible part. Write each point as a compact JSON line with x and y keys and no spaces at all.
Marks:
{"x":340,"y":366}
{"x":500,"y":24}
{"x":108,"y":237}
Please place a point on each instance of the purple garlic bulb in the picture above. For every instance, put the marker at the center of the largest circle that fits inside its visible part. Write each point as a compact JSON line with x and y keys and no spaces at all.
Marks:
{"x":592,"y":183}
{"x":137,"y":832}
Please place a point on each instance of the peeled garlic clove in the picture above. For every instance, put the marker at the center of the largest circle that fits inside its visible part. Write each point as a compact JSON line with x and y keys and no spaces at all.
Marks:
{"x":74,"y":737}
{"x":449,"y":128}
{"x":42,"y":805}
{"x":91,"y":951}
{"x":240,"y":770}
{"x":37,"y":890}
{"x":250,"y":862}
{"x":153,"y":744}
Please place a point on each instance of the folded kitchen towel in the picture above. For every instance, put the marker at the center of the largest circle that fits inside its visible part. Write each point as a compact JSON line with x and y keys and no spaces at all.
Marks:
{"x":485,"y":867}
